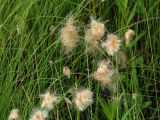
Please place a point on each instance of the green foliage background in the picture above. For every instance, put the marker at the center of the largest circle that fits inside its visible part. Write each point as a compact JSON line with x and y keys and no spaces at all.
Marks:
{"x":25,"y":72}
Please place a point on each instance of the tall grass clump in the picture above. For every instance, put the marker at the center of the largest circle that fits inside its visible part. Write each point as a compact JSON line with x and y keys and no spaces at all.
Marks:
{"x":79,"y":60}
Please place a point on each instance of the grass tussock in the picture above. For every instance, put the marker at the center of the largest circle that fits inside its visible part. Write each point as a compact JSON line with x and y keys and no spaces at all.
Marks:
{"x":92,"y":59}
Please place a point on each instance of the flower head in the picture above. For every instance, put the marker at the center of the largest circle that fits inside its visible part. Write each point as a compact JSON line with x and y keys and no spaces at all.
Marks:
{"x":104,"y":73}
{"x":66,"y":71}
{"x":39,"y":114}
{"x":14,"y":115}
{"x":112,"y":44}
{"x":69,"y":35}
{"x":128,"y":36}
{"x":83,"y":99}
{"x":97,"y":29}
{"x":93,"y":35}
{"x":48,"y":100}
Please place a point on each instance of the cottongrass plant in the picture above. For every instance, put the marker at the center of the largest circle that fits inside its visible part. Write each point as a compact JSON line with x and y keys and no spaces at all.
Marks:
{"x":69,"y":35}
{"x":39,"y":114}
{"x":111,"y":44}
{"x":94,"y":35}
{"x":67,"y":71}
{"x":14,"y":114}
{"x":48,"y":100}
{"x":128,"y":36}
{"x":83,"y":99}
{"x":104,"y":74}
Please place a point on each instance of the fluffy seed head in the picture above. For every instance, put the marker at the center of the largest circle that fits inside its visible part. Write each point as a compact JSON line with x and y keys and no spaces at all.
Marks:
{"x":83,"y":99}
{"x":14,"y":115}
{"x":69,"y":36}
{"x":93,"y":35}
{"x":97,"y":29}
{"x":66,"y":71}
{"x":39,"y":114}
{"x":48,"y":100}
{"x":128,"y":36}
{"x":112,"y":44}
{"x":104,"y":73}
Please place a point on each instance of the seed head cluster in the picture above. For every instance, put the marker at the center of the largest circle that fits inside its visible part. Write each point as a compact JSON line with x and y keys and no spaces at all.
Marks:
{"x":69,"y":36}
{"x":48,"y":100}
{"x":14,"y":115}
{"x":112,"y":44}
{"x":93,"y":35}
{"x":83,"y":99}
{"x":39,"y":114}
{"x":128,"y":36}
{"x":66,"y":71}
{"x":104,"y":73}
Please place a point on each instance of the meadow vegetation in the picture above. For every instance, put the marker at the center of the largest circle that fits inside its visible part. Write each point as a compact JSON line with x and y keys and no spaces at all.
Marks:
{"x":79,"y":75}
